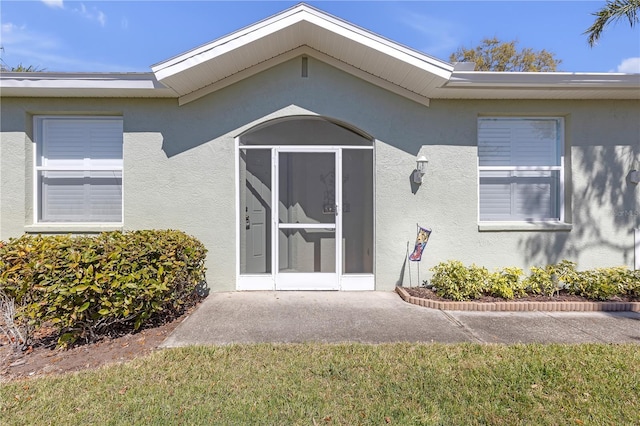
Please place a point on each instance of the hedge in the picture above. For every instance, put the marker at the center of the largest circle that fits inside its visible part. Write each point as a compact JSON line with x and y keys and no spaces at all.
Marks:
{"x":87,"y":285}
{"x":453,"y":280}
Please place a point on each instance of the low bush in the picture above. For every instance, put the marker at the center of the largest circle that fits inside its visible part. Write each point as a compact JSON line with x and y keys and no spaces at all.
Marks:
{"x":601,"y":283}
{"x":507,"y":283}
{"x":565,"y":272}
{"x":633,"y":285}
{"x":453,"y":280}
{"x":551,"y":279}
{"x":541,"y":281}
{"x":85,"y":286}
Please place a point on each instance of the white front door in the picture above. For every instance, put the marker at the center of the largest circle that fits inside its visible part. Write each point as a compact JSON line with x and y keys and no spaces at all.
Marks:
{"x":307,"y":222}
{"x":257,"y":211}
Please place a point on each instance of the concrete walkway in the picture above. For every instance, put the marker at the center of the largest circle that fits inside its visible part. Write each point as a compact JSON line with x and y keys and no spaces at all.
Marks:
{"x":380,"y":317}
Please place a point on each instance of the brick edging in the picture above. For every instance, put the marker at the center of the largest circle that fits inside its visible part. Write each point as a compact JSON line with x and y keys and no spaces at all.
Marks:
{"x":519,"y":306}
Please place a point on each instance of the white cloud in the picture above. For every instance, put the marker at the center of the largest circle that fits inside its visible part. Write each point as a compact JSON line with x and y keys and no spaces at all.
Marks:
{"x":10,"y":28}
{"x":629,"y":65}
{"x":54,"y":3}
{"x":24,"y":46}
{"x":19,"y":36}
{"x":93,"y":15}
{"x":439,"y":36}
{"x":124,"y":23}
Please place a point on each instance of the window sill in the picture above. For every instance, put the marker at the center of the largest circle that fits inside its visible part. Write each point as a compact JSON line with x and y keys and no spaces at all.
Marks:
{"x":524,"y":226}
{"x":71,"y":228}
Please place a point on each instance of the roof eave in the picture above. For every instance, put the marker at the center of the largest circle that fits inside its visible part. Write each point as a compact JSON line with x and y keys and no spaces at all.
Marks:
{"x":479,"y":78}
{"x":47,"y":84}
{"x":543,"y":85}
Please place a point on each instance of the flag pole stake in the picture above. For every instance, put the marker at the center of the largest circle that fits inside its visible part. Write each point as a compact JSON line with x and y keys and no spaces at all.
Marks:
{"x":409,"y":264}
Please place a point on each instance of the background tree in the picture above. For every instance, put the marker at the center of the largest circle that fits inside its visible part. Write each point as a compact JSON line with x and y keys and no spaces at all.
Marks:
{"x":30,"y":68}
{"x":495,"y":55}
{"x":20,"y":68}
{"x":613,"y":11}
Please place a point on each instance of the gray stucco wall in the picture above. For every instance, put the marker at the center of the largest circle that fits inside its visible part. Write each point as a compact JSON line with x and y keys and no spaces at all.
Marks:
{"x":179,"y":169}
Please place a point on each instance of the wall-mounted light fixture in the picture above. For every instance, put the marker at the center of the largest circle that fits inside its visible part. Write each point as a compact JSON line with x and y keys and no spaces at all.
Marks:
{"x":634,"y":176}
{"x":421,"y":169}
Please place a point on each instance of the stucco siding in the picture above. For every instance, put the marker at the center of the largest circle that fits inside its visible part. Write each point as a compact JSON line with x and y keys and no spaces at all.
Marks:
{"x":602,"y":146}
{"x":13,"y":184}
{"x":179,"y":169}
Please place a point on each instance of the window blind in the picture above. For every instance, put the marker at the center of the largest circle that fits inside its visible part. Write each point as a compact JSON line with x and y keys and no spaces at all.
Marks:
{"x":519,"y":169}
{"x":80,"y":170}
{"x":521,"y":142}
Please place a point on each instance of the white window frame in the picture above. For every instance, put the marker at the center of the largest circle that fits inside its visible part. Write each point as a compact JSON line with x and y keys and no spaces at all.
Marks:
{"x":38,"y":122}
{"x":544,"y":223}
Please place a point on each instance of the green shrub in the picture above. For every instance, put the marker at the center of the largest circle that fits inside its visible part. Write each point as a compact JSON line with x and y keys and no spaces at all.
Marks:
{"x":455,"y":281}
{"x":86,"y":286}
{"x":633,"y":284}
{"x":565,"y":273}
{"x":506,"y":283}
{"x":540,"y":281}
{"x":601,"y":283}
{"x":551,"y":279}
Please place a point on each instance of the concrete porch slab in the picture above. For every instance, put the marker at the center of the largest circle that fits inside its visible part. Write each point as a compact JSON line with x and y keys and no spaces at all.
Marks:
{"x":383,"y":317}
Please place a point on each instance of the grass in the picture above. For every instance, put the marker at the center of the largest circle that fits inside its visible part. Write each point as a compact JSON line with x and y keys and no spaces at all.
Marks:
{"x":319,"y":384}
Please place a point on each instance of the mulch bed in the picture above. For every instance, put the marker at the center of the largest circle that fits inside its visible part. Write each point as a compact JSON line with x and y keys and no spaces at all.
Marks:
{"x":42,"y":358}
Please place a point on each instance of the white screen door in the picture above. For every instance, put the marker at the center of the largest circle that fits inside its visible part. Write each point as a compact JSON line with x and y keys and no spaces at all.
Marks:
{"x":308,"y":224}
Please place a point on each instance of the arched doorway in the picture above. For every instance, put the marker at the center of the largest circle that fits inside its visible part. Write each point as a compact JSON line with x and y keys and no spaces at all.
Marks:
{"x":305,"y":206}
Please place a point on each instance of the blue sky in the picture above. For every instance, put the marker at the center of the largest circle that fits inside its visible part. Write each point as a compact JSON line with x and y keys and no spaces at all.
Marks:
{"x":130,"y":36}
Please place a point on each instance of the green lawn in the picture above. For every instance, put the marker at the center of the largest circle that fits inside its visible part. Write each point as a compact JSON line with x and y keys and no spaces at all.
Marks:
{"x":344,"y":384}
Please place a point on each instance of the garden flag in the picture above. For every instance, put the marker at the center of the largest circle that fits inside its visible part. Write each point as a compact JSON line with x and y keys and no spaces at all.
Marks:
{"x":421,"y":242}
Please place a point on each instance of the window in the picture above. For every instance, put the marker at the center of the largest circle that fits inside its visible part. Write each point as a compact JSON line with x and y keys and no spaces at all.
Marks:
{"x":78,"y":169}
{"x":520,"y":167}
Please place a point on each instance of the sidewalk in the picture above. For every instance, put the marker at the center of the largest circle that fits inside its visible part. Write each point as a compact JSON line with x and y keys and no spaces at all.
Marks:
{"x":382,"y":317}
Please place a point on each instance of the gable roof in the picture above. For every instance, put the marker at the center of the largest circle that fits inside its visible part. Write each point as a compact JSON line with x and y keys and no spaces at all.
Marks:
{"x":297,"y":31}
{"x":304,"y":30}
